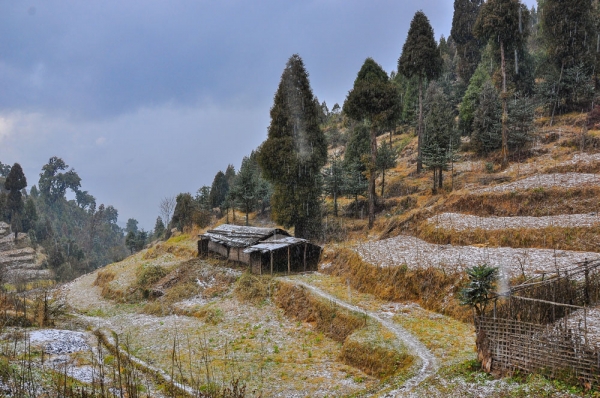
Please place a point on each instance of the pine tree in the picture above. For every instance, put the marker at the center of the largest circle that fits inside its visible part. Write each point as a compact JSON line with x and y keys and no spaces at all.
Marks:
{"x":15,"y":182}
{"x":386,"y":159}
{"x":470,"y":100}
{"x":569,"y":32}
{"x":355,"y":184}
{"x":467,"y":45}
{"x":245,"y":189}
{"x":505,"y":23}
{"x":131,"y":226}
{"x":439,"y":134}
{"x":294,"y":152}
{"x":373,"y":99}
{"x":420,"y":57}
{"x":218,"y":190}
{"x":487,"y":119}
{"x":333,"y":177}
{"x":159,"y":228}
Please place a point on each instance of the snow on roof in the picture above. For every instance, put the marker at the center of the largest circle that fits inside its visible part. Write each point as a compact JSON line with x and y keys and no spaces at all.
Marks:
{"x":274,"y":243}
{"x":242,"y":236}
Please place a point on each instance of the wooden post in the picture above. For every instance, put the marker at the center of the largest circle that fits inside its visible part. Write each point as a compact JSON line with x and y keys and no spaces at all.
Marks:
{"x":289,"y":268}
{"x":271,"y":262}
{"x":305,"y":256}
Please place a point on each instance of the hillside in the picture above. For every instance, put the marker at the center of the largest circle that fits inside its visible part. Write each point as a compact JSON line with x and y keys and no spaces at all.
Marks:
{"x":380,"y":318}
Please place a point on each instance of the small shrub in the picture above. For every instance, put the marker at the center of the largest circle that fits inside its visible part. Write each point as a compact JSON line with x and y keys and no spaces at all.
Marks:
{"x":149,"y":274}
{"x":369,"y":351}
{"x":254,"y":289}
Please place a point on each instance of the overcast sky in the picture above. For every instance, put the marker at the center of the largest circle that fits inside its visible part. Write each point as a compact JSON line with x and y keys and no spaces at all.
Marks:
{"x":147,"y":99}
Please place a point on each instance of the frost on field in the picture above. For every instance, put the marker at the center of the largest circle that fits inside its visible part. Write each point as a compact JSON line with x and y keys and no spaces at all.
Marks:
{"x":417,"y":253}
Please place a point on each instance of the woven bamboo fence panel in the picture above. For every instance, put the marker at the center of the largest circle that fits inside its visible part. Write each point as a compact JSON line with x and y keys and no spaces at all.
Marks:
{"x":527,"y":329}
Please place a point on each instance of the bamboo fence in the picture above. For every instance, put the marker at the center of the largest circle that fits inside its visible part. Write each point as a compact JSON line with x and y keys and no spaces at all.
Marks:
{"x":528,"y":329}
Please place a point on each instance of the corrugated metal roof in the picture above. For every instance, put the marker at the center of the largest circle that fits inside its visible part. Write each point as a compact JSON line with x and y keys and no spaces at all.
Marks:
{"x":242,"y":236}
{"x":275,"y":243}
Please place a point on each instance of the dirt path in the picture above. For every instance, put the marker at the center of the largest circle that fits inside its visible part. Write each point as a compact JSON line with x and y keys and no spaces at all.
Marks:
{"x":429,"y":363}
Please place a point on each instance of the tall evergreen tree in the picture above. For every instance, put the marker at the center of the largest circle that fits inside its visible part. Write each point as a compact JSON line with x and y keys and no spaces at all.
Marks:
{"x":440,"y":134}
{"x":294,"y":152}
{"x":470,"y":100}
{"x":333,"y":177}
{"x":505,"y":23}
{"x":569,"y":32}
{"x":571,"y":41}
{"x":487,"y":121}
{"x":420,"y":57}
{"x":15,"y":182}
{"x":373,"y":99}
{"x":245,"y":190}
{"x":386,"y":159}
{"x":467,"y":45}
{"x":159,"y":228}
{"x":218,"y":190}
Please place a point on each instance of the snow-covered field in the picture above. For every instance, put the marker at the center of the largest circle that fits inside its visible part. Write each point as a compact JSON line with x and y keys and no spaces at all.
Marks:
{"x":415,"y":253}
{"x":461,"y":222}
{"x":563,"y":180}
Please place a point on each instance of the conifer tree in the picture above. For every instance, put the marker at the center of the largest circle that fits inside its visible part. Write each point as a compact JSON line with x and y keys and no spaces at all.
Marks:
{"x":386,"y":159}
{"x":487,"y":121}
{"x":15,"y":182}
{"x":568,"y":32}
{"x":245,"y":190}
{"x":470,"y":100}
{"x":218,"y":189}
{"x":572,"y":42}
{"x":504,"y":23}
{"x":159,"y":228}
{"x":439,"y":134}
{"x":294,"y":152}
{"x":467,"y":45}
{"x":333,"y":177}
{"x":420,"y":57}
{"x":373,"y":99}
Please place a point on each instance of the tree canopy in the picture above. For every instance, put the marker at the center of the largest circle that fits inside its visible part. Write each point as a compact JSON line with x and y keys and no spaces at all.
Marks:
{"x":294,"y":152}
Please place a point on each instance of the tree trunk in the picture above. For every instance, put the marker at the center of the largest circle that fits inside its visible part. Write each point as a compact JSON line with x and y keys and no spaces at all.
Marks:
{"x":335,"y":206}
{"x":434,"y":189}
{"x":562,"y":67}
{"x":372,"y":175}
{"x":420,"y":128}
{"x":504,"y":108}
{"x":382,"y":181}
{"x":441,"y":179}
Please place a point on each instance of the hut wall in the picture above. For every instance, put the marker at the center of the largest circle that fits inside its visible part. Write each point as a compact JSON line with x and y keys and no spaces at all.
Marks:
{"x":237,"y":254}
{"x":203,"y":247}
{"x":218,"y":248}
{"x":256,"y":262}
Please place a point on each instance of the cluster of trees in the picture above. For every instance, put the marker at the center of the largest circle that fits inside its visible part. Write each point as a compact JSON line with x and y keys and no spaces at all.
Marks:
{"x":500,"y":62}
{"x":246,"y":191}
{"x":78,"y":235}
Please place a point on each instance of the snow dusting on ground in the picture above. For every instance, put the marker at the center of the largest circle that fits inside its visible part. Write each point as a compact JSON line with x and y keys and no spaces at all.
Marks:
{"x":562,"y":180}
{"x":417,"y":253}
{"x":60,"y":341}
{"x":461,"y":222}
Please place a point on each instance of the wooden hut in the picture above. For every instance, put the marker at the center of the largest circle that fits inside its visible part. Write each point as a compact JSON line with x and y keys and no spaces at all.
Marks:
{"x":265,"y":250}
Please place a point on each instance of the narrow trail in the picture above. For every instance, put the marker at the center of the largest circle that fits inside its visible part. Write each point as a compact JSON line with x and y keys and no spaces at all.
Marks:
{"x":429,"y":363}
